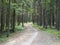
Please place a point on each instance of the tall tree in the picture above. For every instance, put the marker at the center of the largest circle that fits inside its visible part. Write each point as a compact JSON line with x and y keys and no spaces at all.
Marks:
{"x":8,"y":18}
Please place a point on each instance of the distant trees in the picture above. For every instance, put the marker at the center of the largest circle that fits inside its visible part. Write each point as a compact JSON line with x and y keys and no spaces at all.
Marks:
{"x":58,"y":14}
{"x":47,"y":13}
{"x":12,"y":13}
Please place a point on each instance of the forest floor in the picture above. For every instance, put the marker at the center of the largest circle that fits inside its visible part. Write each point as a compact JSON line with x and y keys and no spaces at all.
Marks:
{"x":32,"y":36}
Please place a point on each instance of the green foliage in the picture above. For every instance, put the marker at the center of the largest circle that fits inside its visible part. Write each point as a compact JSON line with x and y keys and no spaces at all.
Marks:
{"x":19,"y":28}
{"x":22,"y":5}
{"x":3,"y":39}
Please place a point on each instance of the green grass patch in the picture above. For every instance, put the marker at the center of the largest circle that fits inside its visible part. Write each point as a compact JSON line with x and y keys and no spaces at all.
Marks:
{"x":39,"y":27}
{"x":19,"y":28}
{"x":49,"y":30}
{"x":3,"y":37}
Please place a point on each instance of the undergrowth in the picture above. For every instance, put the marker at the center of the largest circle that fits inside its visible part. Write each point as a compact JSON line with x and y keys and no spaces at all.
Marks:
{"x":3,"y":37}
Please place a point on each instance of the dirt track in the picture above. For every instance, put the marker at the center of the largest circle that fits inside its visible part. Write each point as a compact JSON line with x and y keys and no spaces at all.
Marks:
{"x":32,"y":36}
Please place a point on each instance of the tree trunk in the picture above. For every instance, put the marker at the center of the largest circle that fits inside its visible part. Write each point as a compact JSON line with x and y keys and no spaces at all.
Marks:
{"x":8,"y":18}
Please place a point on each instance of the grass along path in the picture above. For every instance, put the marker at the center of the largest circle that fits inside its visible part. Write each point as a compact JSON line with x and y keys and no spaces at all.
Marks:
{"x":49,"y":30}
{"x":31,"y":36}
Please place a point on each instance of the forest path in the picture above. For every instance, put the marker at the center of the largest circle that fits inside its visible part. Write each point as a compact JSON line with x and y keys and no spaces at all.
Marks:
{"x":31,"y":36}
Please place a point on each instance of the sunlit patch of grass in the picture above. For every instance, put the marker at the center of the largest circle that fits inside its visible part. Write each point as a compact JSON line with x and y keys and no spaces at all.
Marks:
{"x":39,"y":27}
{"x":19,"y":28}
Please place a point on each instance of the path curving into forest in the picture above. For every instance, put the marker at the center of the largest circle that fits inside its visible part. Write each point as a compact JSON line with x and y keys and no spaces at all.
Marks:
{"x":31,"y":36}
